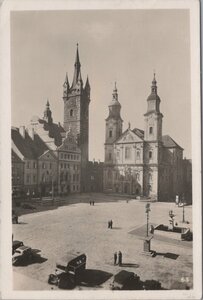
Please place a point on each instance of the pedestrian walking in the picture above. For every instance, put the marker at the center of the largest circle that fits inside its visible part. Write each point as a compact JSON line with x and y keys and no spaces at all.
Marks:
{"x":120,"y":258}
{"x":93,"y":203}
{"x":115,"y":258}
{"x":111,"y":224}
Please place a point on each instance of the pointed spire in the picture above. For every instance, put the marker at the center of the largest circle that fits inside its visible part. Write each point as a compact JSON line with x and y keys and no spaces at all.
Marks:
{"x":154,"y":86}
{"x":47,"y":105}
{"x":77,"y":68}
{"x":115,"y":93}
{"x":66,"y":82}
{"x":87,"y":85}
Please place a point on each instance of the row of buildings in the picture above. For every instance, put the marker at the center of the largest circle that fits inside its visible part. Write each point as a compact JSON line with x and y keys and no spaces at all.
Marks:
{"x":51,"y":159}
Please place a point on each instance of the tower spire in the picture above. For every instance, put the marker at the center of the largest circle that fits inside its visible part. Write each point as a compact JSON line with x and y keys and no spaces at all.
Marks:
{"x":115,"y":93}
{"x":77,"y":66}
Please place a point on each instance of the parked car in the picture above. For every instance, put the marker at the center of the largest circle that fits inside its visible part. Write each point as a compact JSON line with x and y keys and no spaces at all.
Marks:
{"x":15,"y":245}
{"x":21,"y":254}
{"x":68,"y":271}
{"x":125,"y":280}
{"x":14,"y":217}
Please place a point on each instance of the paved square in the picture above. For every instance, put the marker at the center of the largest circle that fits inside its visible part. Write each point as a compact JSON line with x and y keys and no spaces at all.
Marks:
{"x":81,"y":227}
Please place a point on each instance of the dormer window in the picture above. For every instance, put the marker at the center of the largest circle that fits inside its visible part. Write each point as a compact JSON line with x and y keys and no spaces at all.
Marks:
{"x":150,"y":130}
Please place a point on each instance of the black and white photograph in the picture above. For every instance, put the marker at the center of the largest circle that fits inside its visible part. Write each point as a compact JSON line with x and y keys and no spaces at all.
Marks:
{"x":101,"y":159}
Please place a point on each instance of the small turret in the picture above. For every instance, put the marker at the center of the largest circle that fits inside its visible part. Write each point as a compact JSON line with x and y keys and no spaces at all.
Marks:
{"x":48,"y":114}
{"x":66,"y":87}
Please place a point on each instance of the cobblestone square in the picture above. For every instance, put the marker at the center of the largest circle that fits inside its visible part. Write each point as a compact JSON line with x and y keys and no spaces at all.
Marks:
{"x":81,"y":227}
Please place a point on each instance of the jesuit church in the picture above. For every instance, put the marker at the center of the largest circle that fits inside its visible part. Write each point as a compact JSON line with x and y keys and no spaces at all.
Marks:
{"x":142,"y":162}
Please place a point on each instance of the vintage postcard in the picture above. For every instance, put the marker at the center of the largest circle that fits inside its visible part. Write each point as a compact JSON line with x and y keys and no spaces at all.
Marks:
{"x":100,"y":150}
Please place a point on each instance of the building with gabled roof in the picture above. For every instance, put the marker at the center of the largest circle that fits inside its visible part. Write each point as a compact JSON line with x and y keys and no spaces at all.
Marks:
{"x":142,"y":162}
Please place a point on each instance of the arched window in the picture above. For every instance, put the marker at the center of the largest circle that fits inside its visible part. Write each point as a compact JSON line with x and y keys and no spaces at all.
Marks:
{"x":150,"y":130}
{"x":127,"y":152}
{"x":137,"y":176}
{"x":110,"y":156}
{"x":138,"y":154}
{"x":71,"y":112}
{"x":150,"y":154}
{"x":110,"y":133}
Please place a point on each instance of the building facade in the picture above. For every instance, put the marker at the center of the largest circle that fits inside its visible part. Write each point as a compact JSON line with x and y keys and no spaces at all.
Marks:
{"x":142,"y":162}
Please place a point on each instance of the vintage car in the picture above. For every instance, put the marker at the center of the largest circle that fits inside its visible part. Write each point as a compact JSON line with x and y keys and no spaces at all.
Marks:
{"x":68,"y":271}
{"x":21,"y":254}
{"x":125,"y":280}
{"x":15,"y":245}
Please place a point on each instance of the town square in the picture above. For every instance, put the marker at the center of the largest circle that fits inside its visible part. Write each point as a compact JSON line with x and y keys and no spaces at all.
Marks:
{"x":102,"y":189}
{"x":80,"y":227}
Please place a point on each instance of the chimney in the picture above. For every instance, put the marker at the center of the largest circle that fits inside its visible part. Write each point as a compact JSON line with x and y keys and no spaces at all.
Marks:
{"x":22,"y":131}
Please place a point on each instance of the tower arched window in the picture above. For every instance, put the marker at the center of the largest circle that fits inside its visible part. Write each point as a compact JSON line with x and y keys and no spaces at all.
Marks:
{"x":71,"y":112}
{"x":138,"y":154}
{"x":150,"y":130}
{"x":150,"y":154}
{"x":110,"y":133}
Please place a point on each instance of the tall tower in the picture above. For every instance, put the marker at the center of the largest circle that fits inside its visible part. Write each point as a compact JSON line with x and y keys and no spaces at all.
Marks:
{"x":76,"y":111}
{"x":153,"y":117}
{"x":113,"y":126}
{"x":153,"y":143}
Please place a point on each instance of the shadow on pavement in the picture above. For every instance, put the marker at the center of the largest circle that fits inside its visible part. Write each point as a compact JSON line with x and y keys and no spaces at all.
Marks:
{"x":116,"y":228}
{"x":36,"y":259}
{"x":166,"y":255}
{"x":94,"y":277}
{"x":129,"y":265}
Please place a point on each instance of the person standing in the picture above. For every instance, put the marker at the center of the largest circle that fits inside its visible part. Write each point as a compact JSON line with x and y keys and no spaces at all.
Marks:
{"x":115,"y":258}
{"x":120,"y":258}
{"x":111,"y":224}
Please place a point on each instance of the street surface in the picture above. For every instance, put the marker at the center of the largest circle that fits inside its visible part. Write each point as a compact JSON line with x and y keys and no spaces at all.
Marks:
{"x":81,"y":227}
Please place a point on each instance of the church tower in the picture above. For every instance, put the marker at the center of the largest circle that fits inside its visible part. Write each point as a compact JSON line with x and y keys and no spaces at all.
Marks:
{"x":153,"y":116}
{"x":113,"y":126}
{"x":76,"y":111}
{"x":153,"y":143}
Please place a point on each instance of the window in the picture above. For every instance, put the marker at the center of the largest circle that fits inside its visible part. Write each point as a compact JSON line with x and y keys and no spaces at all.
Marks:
{"x":73,"y":177}
{"x":150,"y":154}
{"x":28,"y":165}
{"x":61,"y":166}
{"x":127,"y":152}
{"x":65,"y":156}
{"x":34,"y":178}
{"x":138,"y":154}
{"x":137,"y":176}
{"x":71,"y":112}
{"x":50,"y":166}
{"x":28,"y":178}
{"x":109,"y":174}
{"x":73,"y":188}
{"x":34,"y":165}
{"x":68,"y":156}
{"x":118,"y":154}
{"x":61,"y":155}
{"x":109,"y":156}
{"x":110,"y":133}
{"x":43,"y":166}
{"x":150,"y":130}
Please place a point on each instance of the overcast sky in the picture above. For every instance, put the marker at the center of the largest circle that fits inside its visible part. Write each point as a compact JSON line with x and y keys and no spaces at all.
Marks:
{"x":123,"y":46}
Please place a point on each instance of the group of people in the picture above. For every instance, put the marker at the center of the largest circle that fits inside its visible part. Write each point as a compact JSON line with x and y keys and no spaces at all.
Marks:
{"x":118,"y":258}
{"x":110,"y":224}
{"x":91,"y":202}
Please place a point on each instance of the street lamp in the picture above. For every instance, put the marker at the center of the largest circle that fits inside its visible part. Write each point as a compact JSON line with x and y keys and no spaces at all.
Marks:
{"x":147,"y":207}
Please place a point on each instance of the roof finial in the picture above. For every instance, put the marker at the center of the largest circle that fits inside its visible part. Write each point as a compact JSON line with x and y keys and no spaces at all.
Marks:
{"x":47,"y":103}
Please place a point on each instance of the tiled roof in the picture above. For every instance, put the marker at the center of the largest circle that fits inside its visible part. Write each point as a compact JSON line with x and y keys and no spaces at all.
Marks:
{"x":139,"y":132}
{"x":15,"y":157}
{"x":168,"y":142}
{"x":30,"y":148}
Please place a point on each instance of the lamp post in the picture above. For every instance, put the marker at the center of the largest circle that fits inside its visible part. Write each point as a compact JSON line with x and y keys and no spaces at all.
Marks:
{"x":147,"y":207}
{"x":183,"y":201}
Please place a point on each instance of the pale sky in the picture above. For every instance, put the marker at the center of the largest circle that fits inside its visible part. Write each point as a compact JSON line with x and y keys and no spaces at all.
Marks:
{"x":123,"y":46}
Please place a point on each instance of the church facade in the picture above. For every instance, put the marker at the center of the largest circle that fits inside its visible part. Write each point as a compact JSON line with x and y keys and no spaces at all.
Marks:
{"x":143,"y":163}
